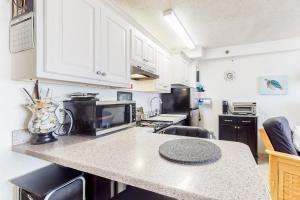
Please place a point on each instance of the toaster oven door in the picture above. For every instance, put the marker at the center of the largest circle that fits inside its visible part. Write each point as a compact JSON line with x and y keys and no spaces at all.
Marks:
{"x":243,"y":109}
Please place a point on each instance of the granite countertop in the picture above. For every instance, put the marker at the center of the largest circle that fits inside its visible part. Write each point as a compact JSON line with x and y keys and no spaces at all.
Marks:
{"x":131,"y":157}
{"x":174,"y":118}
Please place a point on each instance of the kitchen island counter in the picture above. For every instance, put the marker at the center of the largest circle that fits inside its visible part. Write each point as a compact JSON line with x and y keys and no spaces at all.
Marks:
{"x":131,"y":157}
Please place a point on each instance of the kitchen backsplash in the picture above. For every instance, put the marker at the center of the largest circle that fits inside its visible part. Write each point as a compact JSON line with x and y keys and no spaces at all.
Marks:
{"x":61,"y":92}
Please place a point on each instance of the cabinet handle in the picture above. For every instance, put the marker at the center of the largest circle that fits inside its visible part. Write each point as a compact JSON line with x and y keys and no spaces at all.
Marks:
{"x":246,"y":121}
{"x":103,"y":74}
{"x":228,"y":120}
{"x":99,"y":73}
{"x":238,"y":127}
{"x":145,"y":60}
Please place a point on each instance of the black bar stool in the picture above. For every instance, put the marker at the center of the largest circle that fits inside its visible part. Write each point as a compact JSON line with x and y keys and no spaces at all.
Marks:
{"x":132,"y":193}
{"x":52,"y":182}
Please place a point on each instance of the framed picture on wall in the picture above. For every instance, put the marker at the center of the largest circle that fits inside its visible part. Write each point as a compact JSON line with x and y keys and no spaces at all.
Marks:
{"x":273,"y":85}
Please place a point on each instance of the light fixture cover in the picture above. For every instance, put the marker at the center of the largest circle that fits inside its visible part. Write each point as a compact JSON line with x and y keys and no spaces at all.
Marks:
{"x":172,"y":19}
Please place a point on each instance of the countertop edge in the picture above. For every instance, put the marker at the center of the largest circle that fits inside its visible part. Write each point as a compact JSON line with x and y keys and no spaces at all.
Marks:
{"x":136,"y":182}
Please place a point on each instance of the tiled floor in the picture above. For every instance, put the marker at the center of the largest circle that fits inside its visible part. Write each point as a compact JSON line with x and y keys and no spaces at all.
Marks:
{"x":263,"y":168}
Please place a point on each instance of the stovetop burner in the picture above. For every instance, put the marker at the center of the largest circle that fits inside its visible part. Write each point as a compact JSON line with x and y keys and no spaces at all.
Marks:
{"x":157,"y":125}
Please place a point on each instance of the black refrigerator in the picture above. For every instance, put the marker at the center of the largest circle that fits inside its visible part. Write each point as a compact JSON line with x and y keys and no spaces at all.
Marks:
{"x":182,"y":100}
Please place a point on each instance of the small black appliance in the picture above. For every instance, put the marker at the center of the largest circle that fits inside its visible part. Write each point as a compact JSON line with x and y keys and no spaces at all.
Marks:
{"x":93,"y":117}
{"x":225,"y":107}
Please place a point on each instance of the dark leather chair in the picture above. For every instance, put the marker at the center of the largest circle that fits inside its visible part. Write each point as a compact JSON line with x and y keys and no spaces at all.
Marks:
{"x":280,"y":134}
{"x":189,"y":131}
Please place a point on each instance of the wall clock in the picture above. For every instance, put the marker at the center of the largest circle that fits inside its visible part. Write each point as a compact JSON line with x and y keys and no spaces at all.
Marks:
{"x":229,"y":75}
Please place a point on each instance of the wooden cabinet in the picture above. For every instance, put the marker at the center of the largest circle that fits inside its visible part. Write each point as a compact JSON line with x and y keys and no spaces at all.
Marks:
{"x":240,"y":129}
{"x":143,"y":51}
{"x":227,"y":132}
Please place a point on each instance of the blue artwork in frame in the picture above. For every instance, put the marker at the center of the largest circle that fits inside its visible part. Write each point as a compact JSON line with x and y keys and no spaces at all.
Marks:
{"x":273,"y":85}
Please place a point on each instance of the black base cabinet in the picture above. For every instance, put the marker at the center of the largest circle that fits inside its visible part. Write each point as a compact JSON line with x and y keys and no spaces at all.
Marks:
{"x":239,"y":129}
{"x":97,"y":188}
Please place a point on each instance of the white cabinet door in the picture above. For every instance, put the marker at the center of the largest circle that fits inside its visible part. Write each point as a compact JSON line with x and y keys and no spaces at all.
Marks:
{"x":149,"y":54}
{"x":163,"y":63}
{"x":137,"y":47}
{"x":192,"y":74}
{"x":70,"y":39}
{"x":142,"y":50}
{"x":180,"y":71}
{"x":160,"y":64}
{"x":167,"y":76}
{"x":115,"y":41}
{"x":177,"y":70}
{"x":186,"y":73}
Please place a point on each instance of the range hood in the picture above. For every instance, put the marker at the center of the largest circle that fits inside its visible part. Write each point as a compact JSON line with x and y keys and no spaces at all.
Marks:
{"x":142,"y":73}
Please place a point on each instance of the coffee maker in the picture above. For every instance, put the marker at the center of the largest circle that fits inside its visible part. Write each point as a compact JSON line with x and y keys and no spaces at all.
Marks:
{"x":225,"y":107}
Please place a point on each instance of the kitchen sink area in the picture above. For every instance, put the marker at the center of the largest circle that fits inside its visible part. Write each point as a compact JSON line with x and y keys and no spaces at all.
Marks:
{"x":168,"y":118}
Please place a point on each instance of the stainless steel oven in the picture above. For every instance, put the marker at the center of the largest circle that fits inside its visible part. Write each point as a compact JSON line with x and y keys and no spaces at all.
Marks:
{"x":93,"y":117}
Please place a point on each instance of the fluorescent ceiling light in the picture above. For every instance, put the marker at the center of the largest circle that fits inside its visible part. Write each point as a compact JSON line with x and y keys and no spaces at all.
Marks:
{"x":172,"y":19}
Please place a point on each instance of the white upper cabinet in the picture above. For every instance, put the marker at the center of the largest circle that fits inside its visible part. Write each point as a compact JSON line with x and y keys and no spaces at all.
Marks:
{"x":149,"y":54}
{"x":180,"y":71}
{"x":87,"y":41}
{"x":143,"y":51}
{"x":82,"y":41}
{"x":192,"y":70}
{"x":116,"y":46}
{"x":137,"y":47}
{"x":70,"y":37}
{"x":163,"y":64}
{"x":167,"y":76}
{"x":186,"y":73}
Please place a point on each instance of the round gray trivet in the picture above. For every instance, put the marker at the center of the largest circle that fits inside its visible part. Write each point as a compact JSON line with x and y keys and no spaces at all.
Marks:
{"x":190,"y":151}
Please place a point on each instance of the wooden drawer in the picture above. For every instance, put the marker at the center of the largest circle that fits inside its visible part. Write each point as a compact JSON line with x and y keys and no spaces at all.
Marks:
{"x":246,"y":121}
{"x":228,"y":120}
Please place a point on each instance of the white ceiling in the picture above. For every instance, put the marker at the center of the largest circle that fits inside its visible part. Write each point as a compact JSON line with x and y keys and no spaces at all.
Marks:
{"x":217,"y":23}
